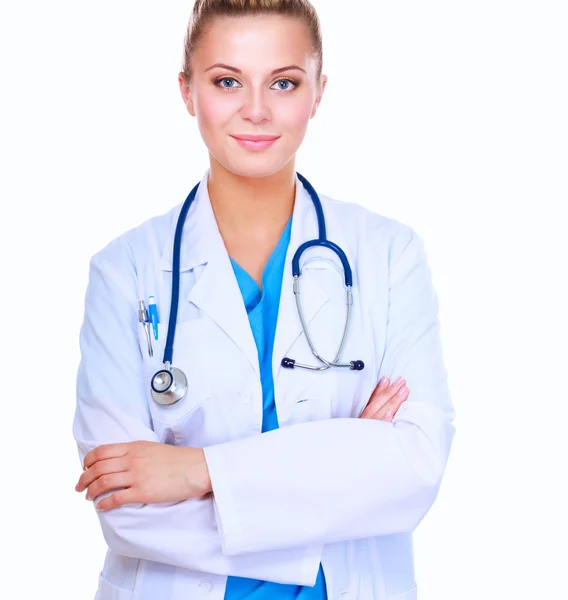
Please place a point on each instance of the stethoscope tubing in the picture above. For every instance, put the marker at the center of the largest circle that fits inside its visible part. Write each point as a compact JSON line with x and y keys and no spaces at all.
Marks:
{"x":173,"y":392}
{"x":169,"y":348}
{"x":327,"y":364}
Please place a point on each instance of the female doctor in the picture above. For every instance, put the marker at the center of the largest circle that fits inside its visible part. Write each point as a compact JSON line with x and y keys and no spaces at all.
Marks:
{"x":247,"y":436}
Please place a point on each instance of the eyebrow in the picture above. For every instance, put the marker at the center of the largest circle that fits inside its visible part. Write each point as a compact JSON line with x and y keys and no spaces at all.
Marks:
{"x":234,"y":69}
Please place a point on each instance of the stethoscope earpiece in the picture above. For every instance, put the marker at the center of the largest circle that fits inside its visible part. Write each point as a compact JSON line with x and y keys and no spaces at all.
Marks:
{"x":354,"y":365}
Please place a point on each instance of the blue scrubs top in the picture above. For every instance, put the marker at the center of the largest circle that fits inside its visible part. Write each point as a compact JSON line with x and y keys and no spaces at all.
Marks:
{"x":262,"y":309}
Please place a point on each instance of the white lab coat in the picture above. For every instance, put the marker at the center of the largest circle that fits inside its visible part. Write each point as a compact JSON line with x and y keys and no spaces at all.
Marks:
{"x":326,"y":486}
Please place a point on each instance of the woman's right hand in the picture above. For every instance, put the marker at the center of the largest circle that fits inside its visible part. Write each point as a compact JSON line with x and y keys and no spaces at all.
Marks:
{"x":385,"y":400}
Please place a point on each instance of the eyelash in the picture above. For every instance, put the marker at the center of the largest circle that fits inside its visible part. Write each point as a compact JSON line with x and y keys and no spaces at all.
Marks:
{"x":217,"y":81}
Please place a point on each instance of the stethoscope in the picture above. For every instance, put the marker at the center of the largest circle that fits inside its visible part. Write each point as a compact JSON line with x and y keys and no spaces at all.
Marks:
{"x":169,"y":385}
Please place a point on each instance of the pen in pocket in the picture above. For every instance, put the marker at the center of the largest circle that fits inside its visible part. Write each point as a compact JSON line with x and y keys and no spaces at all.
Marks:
{"x":152,"y":309}
{"x":143,"y":318}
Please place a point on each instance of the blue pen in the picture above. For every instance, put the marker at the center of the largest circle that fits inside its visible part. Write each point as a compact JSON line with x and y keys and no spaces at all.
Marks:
{"x":153,"y":312}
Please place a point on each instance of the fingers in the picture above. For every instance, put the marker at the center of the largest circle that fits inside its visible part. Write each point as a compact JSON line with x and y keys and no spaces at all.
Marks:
{"x":128,"y":496}
{"x":109,"y":482}
{"x":104,"y":452}
{"x":381,"y":395}
{"x":100,"y":469}
{"x":377,"y":398}
{"x":389,"y":410}
{"x":386,"y":400}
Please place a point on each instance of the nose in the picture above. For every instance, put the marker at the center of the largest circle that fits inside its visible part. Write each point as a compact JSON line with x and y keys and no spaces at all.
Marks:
{"x":256,"y":106}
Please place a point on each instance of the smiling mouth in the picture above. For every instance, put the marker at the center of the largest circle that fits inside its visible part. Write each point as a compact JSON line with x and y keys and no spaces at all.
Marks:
{"x":255,"y":142}
{"x":256,"y":138}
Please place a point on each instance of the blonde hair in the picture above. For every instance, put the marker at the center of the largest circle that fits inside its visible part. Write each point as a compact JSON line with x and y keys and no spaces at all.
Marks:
{"x":206,"y":11}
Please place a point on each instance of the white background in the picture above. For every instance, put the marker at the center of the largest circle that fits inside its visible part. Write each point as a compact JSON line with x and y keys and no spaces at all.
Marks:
{"x":448,"y":116}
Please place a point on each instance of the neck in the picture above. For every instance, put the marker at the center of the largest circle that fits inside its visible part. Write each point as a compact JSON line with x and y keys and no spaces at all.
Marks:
{"x":255,"y":207}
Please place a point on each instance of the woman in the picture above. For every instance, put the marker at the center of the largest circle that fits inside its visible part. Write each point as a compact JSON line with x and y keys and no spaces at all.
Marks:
{"x":190,"y":497}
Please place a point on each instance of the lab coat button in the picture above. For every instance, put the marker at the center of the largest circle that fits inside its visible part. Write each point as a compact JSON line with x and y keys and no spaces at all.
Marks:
{"x":205,"y":585}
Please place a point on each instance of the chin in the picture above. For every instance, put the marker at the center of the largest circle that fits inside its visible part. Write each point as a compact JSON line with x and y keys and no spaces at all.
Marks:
{"x":255,"y":165}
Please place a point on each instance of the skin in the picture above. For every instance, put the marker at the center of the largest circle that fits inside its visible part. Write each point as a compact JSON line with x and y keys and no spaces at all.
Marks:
{"x":252,"y":194}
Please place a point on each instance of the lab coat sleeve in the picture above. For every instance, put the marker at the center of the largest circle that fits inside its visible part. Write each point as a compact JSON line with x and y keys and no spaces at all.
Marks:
{"x":340,"y":479}
{"x":112,"y":407}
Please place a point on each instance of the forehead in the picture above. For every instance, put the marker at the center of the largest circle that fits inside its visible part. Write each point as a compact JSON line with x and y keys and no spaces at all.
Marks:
{"x":256,"y":39}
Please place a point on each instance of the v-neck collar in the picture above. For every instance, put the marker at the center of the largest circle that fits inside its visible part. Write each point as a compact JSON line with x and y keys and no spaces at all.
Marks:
{"x":252,"y":294}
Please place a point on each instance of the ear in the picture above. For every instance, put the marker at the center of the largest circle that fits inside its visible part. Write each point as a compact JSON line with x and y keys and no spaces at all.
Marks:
{"x":186,"y":94}
{"x":323,"y":82}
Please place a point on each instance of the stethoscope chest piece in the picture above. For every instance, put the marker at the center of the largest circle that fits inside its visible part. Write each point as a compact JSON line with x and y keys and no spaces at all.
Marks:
{"x":169,"y":385}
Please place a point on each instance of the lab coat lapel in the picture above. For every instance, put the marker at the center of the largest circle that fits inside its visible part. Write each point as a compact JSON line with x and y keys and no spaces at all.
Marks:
{"x":216,"y":291}
{"x":218,"y":295}
{"x":313,"y":296}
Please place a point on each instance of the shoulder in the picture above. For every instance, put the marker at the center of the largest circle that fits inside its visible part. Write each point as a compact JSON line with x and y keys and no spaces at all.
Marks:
{"x":372,"y":232}
{"x":136,"y":245}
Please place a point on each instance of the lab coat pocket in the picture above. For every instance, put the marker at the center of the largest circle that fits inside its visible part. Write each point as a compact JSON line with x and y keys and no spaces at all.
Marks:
{"x":313,"y":398}
{"x":311,"y":395}
{"x":189,"y":356}
{"x":109,"y":591}
{"x":411,"y":594}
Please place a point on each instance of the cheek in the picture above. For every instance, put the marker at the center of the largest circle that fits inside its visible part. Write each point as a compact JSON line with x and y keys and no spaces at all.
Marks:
{"x":295,"y":116}
{"x":213,"y":110}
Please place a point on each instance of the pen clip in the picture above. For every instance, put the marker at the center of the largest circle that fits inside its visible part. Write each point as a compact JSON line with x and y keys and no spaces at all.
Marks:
{"x":143,"y":318}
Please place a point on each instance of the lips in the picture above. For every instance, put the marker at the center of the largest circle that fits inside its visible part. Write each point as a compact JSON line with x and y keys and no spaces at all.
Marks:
{"x":256,"y":138}
{"x":255,"y":143}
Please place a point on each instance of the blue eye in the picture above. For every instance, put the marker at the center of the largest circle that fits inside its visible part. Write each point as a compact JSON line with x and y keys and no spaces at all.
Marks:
{"x":283,"y":89}
{"x":286,"y":81}
{"x":225,"y":79}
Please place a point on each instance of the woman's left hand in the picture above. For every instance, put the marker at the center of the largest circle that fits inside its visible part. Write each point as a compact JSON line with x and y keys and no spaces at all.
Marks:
{"x":145,"y":472}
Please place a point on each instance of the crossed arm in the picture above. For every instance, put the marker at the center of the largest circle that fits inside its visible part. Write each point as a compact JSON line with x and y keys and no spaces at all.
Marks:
{"x":264,"y":521}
